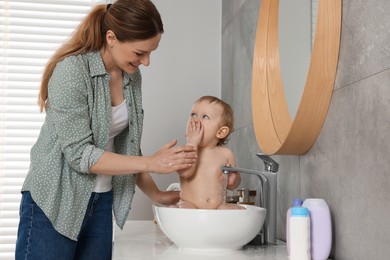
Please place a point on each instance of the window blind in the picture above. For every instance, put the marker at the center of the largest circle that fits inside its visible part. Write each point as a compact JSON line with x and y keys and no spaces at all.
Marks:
{"x":30,"y":31}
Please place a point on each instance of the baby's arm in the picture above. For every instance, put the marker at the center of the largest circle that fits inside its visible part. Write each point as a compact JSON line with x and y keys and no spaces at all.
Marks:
{"x":146,"y":183}
{"x":194,"y":136}
{"x":234,"y":178}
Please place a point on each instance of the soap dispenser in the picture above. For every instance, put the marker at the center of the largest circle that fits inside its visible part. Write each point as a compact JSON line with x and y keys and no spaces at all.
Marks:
{"x":321,"y":228}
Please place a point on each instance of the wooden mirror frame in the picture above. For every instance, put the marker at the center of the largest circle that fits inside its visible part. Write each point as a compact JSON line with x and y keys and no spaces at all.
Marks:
{"x":275,"y":131}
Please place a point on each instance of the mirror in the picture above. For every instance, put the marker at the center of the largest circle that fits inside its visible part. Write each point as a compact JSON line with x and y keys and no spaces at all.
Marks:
{"x":295,"y":24}
{"x":276,"y":132}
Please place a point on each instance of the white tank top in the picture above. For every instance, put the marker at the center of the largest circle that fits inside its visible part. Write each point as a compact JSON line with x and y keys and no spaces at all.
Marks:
{"x":119,"y":121}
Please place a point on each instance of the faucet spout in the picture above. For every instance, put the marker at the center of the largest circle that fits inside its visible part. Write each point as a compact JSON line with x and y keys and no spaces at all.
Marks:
{"x":269,"y":164}
{"x":269,"y":199}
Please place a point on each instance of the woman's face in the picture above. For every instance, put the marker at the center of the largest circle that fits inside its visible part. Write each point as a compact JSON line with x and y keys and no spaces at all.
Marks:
{"x":128,"y":56}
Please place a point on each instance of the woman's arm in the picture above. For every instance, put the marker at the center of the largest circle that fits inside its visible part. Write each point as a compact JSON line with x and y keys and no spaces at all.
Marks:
{"x":168,"y":159}
{"x":146,"y":183}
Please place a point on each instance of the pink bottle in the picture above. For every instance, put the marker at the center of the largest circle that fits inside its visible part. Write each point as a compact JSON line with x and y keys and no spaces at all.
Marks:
{"x":296,"y":203}
{"x":321,"y":228}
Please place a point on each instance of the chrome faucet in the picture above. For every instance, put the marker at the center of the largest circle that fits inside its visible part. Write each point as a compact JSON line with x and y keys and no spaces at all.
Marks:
{"x":268,"y":194}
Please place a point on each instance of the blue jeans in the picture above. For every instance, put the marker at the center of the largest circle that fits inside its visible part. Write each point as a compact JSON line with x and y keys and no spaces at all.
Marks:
{"x":38,"y":240}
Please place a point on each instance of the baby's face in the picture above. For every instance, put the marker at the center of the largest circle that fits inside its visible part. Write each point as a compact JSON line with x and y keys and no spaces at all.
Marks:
{"x":210,"y":116}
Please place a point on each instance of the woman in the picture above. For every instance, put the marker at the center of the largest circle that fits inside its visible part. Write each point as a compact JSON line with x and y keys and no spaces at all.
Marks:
{"x":86,"y":159}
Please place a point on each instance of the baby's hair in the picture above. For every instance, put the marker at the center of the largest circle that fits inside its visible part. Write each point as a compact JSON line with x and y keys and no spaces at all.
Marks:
{"x":227,"y":115}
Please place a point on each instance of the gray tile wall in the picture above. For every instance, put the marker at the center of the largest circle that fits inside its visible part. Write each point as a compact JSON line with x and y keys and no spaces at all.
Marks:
{"x":349,"y":164}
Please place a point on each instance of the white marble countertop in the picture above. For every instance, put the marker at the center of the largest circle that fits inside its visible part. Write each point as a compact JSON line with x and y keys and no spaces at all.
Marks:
{"x":143,"y":240}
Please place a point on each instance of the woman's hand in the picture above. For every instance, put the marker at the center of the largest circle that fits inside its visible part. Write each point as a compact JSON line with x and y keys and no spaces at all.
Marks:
{"x":170,"y":158}
{"x":167,"y":197}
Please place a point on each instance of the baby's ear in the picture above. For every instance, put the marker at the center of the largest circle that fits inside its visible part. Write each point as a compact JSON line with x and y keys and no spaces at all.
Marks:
{"x":223,"y":132}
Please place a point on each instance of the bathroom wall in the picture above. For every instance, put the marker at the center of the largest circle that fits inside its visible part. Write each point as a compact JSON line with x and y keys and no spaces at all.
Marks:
{"x":349,"y":164}
{"x":186,"y":65}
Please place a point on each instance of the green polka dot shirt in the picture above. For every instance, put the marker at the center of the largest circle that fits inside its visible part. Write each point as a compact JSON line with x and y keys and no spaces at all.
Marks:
{"x":74,"y":136}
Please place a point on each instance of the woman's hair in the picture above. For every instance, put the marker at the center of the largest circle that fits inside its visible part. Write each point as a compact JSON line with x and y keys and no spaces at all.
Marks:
{"x":227,"y":115}
{"x":130,"y":20}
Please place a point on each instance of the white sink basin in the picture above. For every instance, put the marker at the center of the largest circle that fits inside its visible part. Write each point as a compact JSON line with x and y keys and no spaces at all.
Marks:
{"x":212,"y":230}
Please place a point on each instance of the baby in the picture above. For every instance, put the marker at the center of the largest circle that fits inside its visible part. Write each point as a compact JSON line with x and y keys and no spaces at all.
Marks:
{"x":208,"y":128}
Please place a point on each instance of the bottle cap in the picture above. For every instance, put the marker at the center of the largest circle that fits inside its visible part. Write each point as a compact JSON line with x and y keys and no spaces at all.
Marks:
{"x":297,"y":202}
{"x":299,"y":211}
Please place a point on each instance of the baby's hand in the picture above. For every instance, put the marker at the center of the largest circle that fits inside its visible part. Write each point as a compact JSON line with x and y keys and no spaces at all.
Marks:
{"x":234,"y":179}
{"x":194,"y":131}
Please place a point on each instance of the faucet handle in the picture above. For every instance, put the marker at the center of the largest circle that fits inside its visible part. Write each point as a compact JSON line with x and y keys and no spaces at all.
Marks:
{"x":269,"y":163}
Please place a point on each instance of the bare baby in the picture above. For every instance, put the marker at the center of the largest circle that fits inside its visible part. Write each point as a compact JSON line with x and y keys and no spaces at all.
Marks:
{"x":208,"y":128}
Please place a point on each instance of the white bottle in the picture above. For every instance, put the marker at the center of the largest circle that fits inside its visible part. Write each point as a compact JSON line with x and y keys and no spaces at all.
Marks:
{"x":299,"y":234}
{"x":296,"y":203}
{"x":321,"y":228}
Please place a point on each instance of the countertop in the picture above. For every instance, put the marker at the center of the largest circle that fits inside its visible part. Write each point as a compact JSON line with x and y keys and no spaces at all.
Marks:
{"x":144,"y":240}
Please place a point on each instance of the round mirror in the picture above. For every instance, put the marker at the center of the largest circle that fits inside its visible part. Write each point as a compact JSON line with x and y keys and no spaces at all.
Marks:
{"x":276,"y":131}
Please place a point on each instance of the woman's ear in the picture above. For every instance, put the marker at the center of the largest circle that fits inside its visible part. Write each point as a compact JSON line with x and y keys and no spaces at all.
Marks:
{"x":223,"y":132}
{"x":110,"y":37}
